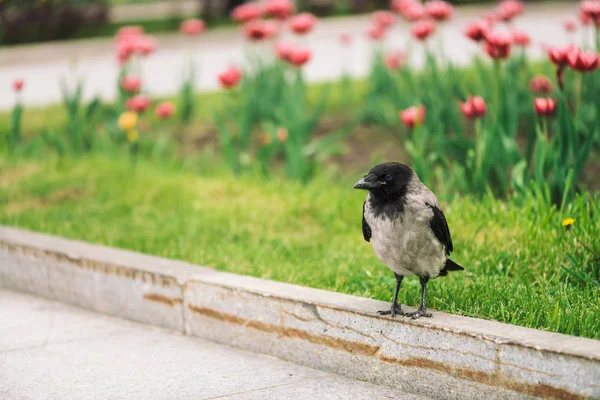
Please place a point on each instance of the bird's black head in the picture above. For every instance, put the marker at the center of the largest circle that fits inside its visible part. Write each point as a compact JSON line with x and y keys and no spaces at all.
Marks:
{"x":387,"y":181}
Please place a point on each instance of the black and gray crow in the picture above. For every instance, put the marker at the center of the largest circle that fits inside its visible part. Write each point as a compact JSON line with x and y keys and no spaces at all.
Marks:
{"x":407,"y":228}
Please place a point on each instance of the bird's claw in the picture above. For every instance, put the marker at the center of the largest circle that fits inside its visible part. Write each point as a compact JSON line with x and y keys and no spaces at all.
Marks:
{"x":395,"y":309}
{"x":421,"y":312}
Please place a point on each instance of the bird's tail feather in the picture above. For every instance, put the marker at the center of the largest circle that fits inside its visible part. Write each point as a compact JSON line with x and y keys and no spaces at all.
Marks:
{"x":450,"y":266}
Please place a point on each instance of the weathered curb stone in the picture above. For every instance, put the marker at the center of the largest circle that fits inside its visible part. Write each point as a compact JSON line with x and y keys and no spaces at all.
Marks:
{"x":446,"y":357}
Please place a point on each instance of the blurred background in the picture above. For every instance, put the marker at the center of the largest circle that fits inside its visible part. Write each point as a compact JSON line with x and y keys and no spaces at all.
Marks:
{"x":27,"y":21}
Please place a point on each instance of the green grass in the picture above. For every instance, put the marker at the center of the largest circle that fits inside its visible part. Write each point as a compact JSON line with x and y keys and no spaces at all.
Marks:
{"x":521,"y":265}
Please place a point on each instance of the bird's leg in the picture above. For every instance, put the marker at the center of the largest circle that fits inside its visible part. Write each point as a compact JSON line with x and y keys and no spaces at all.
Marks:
{"x":421,"y":311}
{"x":395,"y":309}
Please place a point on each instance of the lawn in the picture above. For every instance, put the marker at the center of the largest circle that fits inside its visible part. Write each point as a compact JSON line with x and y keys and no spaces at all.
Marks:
{"x":522,"y":266}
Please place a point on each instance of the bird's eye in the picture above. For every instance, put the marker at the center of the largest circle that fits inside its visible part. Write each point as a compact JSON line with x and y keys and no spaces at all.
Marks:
{"x":388,"y":177}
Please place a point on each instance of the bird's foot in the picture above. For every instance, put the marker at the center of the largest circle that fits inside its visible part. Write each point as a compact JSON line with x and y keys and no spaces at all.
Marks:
{"x":421,"y":312}
{"x":395,"y":309}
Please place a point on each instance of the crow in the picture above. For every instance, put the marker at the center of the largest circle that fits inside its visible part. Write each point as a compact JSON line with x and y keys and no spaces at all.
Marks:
{"x":408,"y":230}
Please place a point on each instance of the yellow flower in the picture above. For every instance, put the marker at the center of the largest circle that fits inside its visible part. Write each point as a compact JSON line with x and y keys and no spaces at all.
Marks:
{"x":567,"y":222}
{"x":132,"y":135}
{"x":128,"y":121}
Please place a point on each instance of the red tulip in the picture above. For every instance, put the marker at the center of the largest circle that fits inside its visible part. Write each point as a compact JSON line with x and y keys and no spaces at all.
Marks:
{"x":303,"y":23}
{"x":393,"y":60}
{"x":423,"y":29}
{"x":192,"y":27}
{"x":138,"y":103}
{"x":18,"y":85}
{"x":477,"y":31}
{"x":509,"y":9}
{"x":497,"y":45}
{"x":376,"y":32}
{"x":280,"y":9}
{"x":384,"y":18}
{"x":570,"y":25}
{"x":540,"y":84}
{"x":246,"y":12}
{"x":582,"y":61}
{"x":299,"y":57}
{"x":413,"y":116}
{"x":439,"y":10}
{"x":131,"y":84}
{"x":558,"y":55}
{"x":283,"y":51}
{"x":474,"y":107}
{"x":544,"y":106}
{"x":521,"y":38}
{"x":260,"y":29}
{"x":345,"y":39}
{"x":230,"y":78}
{"x":165,"y":110}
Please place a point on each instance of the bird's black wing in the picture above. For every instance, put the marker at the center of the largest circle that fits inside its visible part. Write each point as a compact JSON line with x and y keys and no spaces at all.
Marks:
{"x":439,"y":226}
{"x":365,"y":226}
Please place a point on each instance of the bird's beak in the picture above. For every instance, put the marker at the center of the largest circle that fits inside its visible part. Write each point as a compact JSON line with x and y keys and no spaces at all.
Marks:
{"x":367,"y":183}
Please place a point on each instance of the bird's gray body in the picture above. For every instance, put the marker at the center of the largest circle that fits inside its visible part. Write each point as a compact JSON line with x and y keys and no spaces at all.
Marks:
{"x":405,"y":243}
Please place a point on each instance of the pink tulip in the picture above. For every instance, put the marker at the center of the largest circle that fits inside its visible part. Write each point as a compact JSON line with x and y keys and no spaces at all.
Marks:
{"x":439,"y":10}
{"x":413,"y":116}
{"x":384,"y":18}
{"x":590,"y":11}
{"x":260,"y":29}
{"x":558,"y":55}
{"x":345,"y":39}
{"x":497,"y":45}
{"x":283,"y":51}
{"x":474,"y":107}
{"x":423,"y":29}
{"x":165,"y":110}
{"x":544,"y":107}
{"x":376,"y":32}
{"x":129,"y":31}
{"x":303,"y":23}
{"x":192,"y":27}
{"x":131,"y":84}
{"x":582,"y":61}
{"x":230,"y":78}
{"x":246,"y":12}
{"x":540,"y":84}
{"x":280,"y":9}
{"x":509,"y":9}
{"x":414,"y":13}
{"x":521,"y":38}
{"x":393,"y":60}
{"x":18,"y":85}
{"x":299,"y":57}
{"x":145,"y":45}
{"x":477,"y":31}
{"x":570,"y":25}
{"x":139,"y":103}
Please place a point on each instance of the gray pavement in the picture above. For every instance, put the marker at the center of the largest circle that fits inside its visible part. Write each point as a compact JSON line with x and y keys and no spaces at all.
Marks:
{"x":49,"y":350}
{"x":43,"y":66}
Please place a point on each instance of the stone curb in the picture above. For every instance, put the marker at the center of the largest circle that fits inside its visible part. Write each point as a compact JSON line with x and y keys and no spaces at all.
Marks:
{"x":445,"y":357}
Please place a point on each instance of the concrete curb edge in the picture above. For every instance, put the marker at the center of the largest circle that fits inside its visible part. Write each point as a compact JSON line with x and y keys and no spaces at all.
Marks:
{"x":446,"y":357}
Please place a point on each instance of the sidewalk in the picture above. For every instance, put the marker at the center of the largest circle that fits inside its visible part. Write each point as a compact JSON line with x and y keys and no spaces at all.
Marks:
{"x":43,"y":66}
{"x":49,"y":350}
